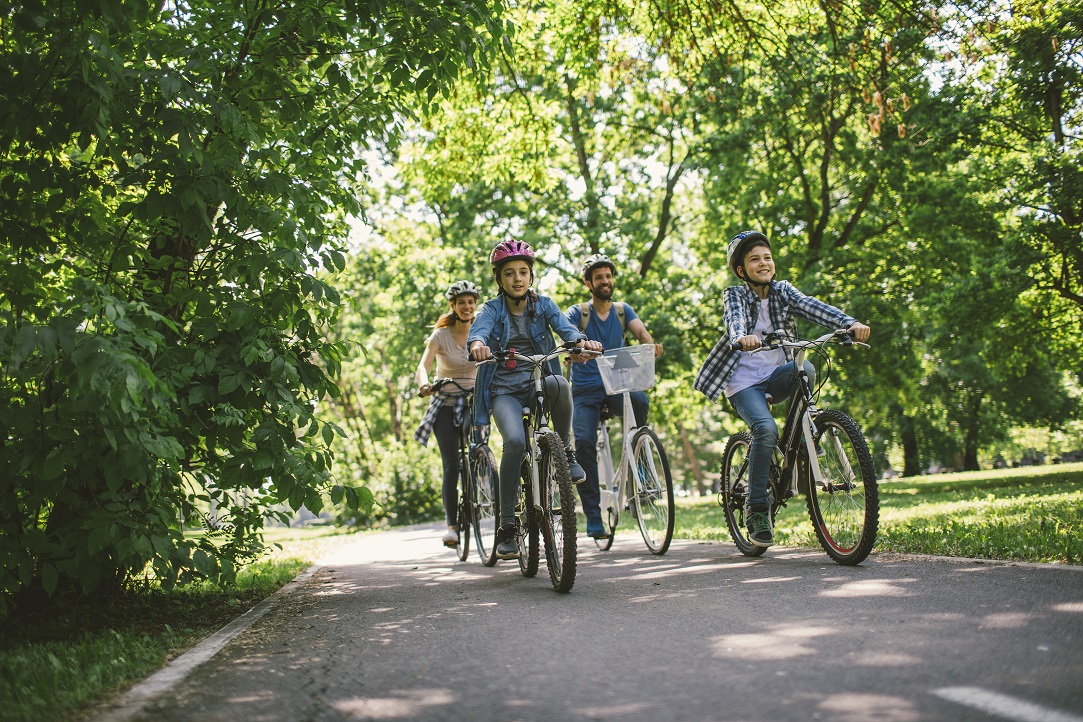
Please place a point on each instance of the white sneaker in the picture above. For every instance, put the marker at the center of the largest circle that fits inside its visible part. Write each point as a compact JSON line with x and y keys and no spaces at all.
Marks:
{"x":451,"y":538}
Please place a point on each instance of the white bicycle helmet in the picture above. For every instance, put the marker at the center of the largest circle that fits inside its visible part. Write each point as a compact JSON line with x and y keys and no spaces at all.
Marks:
{"x":592,"y":262}
{"x":461,"y":287}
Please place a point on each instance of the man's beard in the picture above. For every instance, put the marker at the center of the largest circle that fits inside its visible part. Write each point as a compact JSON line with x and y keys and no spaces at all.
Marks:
{"x":602,"y":293}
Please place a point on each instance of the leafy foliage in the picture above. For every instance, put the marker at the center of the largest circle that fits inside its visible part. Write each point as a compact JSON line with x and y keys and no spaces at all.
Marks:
{"x":175,"y":177}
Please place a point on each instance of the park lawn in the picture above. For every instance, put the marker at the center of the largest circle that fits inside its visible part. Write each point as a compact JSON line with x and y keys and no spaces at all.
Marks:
{"x":58,"y":664}
{"x":1032,"y":514}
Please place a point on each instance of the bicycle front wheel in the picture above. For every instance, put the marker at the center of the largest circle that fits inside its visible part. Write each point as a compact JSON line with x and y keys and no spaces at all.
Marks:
{"x":558,"y":513}
{"x":845,"y":505}
{"x":464,"y":512}
{"x":734,"y":491}
{"x":653,"y":498}
{"x":485,"y":491}
{"x":526,"y":526}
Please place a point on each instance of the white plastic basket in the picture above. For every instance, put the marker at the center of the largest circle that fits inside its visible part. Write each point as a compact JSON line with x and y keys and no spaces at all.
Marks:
{"x":629,"y":368}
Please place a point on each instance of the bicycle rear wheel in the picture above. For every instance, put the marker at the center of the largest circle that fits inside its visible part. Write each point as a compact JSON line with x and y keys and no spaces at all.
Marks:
{"x":485,"y":491}
{"x":653,"y":490}
{"x":464,"y":513}
{"x":734,"y":491}
{"x":526,"y":526}
{"x":558,"y":513}
{"x":845,"y":505}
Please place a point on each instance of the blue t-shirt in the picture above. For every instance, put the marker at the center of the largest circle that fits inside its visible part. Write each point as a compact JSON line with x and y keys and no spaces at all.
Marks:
{"x":608,"y":333}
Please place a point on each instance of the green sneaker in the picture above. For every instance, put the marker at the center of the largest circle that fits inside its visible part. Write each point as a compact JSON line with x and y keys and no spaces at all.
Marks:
{"x":758,"y":521}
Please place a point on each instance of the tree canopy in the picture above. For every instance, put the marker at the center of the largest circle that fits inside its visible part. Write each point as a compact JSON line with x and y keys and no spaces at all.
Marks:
{"x":228,"y":227}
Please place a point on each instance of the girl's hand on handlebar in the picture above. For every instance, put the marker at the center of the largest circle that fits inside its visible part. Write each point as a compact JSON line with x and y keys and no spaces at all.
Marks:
{"x":480,"y":352}
{"x":860,"y":331}
{"x":424,"y":390}
{"x":587,"y":345}
{"x":749,"y":343}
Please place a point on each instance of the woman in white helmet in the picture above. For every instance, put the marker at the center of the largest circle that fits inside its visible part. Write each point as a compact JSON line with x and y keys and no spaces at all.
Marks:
{"x":447,"y":346}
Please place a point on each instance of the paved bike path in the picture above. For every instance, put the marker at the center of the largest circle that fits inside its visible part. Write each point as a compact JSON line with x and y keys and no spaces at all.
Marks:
{"x":394,"y":627}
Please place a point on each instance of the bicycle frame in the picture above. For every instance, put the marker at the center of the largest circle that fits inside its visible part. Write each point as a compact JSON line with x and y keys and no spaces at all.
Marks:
{"x":616,"y":480}
{"x":800,"y":417}
{"x":537,"y":424}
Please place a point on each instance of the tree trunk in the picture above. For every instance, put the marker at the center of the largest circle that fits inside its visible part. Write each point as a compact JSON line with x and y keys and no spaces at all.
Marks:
{"x":911,"y":457}
{"x":970,"y":444}
{"x":693,"y":462}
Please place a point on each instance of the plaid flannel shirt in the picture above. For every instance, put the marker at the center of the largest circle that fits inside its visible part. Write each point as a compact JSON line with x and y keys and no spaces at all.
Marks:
{"x":739,"y":315}
{"x":424,"y":431}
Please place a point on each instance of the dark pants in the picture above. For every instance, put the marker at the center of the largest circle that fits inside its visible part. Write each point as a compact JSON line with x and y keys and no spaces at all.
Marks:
{"x":588,"y":410}
{"x":447,"y":437}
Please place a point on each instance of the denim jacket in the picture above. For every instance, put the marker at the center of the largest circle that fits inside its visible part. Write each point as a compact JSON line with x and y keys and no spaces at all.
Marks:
{"x":493,"y":328}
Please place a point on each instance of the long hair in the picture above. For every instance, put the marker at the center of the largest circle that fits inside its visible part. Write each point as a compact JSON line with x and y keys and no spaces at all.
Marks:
{"x":447,"y":320}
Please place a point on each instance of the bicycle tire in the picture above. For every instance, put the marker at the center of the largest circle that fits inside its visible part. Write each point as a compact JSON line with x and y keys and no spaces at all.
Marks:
{"x":465,"y":514}
{"x":845,"y":507}
{"x":558,"y":522}
{"x":526,"y":526}
{"x":653,"y":487}
{"x":486,"y":502}
{"x":733,"y":482}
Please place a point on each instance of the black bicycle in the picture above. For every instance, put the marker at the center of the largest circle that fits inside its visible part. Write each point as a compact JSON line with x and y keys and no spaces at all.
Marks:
{"x":477,"y":485}
{"x":822,"y":454}
{"x":546,"y":501}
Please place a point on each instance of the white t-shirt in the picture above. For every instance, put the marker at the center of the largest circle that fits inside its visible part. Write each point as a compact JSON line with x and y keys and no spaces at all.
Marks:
{"x":752,"y":368}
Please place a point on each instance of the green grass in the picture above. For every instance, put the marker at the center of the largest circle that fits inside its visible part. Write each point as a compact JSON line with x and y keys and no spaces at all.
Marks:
{"x":56,"y":664}
{"x":1032,"y":514}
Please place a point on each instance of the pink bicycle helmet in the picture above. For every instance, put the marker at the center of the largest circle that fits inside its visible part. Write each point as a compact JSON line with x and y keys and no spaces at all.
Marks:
{"x":511,"y":251}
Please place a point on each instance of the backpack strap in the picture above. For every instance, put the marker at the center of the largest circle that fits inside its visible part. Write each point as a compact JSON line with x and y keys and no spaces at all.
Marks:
{"x":584,"y":314}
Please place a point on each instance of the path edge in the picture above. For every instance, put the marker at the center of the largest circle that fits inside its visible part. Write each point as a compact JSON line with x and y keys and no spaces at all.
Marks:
{"x":135,"y":700}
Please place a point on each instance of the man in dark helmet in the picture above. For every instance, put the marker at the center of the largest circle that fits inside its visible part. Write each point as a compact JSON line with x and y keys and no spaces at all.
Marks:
{"x":752,"y":309}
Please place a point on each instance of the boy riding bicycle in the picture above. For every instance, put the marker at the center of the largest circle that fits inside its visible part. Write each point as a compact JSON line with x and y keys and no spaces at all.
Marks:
{"x":759,"y":306}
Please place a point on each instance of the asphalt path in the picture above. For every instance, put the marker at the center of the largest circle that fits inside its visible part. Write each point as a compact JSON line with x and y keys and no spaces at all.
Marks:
{"x":394,"y":627}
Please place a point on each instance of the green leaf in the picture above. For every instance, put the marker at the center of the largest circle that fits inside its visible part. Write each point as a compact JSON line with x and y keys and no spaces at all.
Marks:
{"x":49,"y":578}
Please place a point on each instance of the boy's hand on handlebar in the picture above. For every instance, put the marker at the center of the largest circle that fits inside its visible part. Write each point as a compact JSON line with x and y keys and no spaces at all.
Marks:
{"x":860,"y":331}
{"x":480,"y":352}
{"x":749,"y":343}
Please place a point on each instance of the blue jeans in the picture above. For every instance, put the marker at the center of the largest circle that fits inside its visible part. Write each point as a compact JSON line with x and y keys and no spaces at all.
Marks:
{"x":588,"y":409}
{"x":751,"y":404}
{"x":508,"y":418}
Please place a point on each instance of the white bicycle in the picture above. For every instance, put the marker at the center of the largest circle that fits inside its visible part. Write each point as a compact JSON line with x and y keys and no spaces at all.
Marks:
{"x":641,"y":483}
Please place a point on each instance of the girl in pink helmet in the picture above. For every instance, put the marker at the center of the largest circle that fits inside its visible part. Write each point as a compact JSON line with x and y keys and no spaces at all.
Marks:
{"x":521,"y":319}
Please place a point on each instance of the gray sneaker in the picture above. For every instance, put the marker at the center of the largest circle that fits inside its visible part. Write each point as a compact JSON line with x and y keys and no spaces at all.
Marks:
{"x":507,"y":542}
{"x":574,"y":469}
{"x":758,"y":521}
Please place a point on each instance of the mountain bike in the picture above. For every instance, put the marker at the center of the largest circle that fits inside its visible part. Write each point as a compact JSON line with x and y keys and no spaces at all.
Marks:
{"x":822,"y":454}
{"x":546,"y":501}
{"x":643,"y":464}
{"x":477,"y":484}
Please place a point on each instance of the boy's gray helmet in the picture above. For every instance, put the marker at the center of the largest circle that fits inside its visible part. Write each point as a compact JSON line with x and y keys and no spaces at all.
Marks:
{"x":592,"y":262}
{"x":740,"y":245}
{"x":459,"y":288}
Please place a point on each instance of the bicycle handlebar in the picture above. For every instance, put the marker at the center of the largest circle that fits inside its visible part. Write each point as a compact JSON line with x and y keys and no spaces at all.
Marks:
{"x":568,"y":347}
{"x":841,"y":336}
{"x":438,"y":384}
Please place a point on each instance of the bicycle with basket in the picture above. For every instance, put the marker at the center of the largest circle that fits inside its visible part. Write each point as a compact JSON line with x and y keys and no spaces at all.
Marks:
{"x":641,"y":483}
